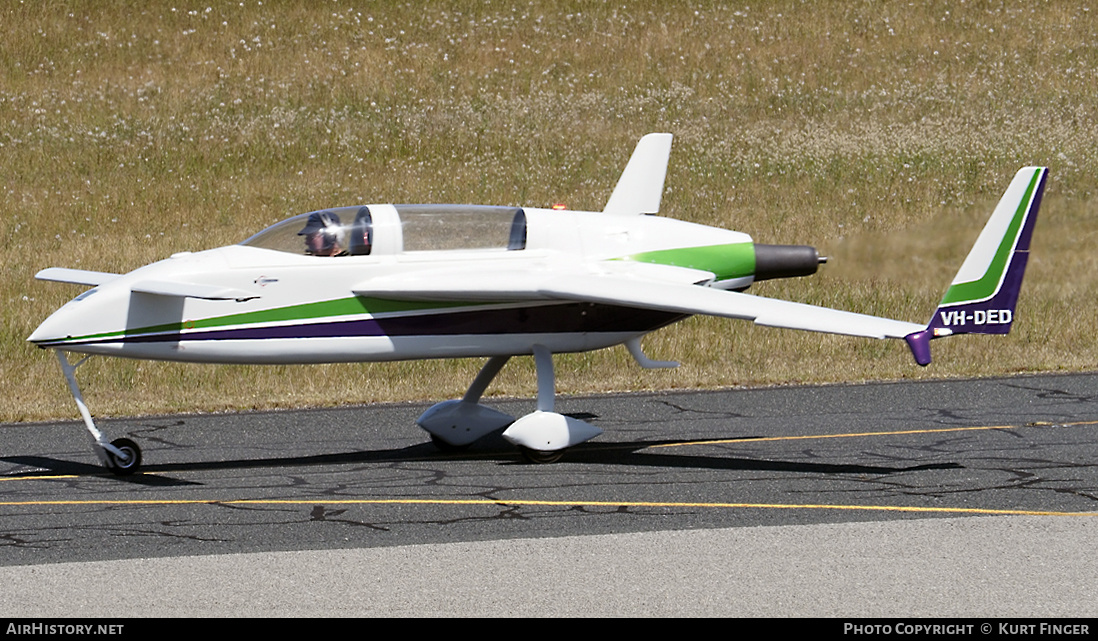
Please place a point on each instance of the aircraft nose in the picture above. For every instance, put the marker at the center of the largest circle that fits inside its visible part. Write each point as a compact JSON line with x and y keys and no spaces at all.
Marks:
{"x":59,"y":327}
{"x":51,"y":330}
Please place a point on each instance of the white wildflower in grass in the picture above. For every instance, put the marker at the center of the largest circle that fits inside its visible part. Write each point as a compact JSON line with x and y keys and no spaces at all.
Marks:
{"x":881,"y":133}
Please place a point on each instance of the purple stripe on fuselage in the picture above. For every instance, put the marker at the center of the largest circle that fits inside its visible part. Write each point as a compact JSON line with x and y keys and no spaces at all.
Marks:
{"x":546,"y":319}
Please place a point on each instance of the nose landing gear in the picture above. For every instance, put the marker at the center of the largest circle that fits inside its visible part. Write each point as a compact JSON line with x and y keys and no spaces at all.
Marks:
{"x":121,"y":456}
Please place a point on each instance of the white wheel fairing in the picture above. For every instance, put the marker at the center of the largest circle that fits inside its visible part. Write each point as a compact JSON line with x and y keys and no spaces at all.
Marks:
{"x":549,"y":431}
{"x":460,"y":422}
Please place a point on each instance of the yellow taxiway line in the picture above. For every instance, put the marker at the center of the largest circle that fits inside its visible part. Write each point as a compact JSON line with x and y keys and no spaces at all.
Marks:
{"x":513,"y":502}
{"x":614,"y":504}
{"x":937,"y":430}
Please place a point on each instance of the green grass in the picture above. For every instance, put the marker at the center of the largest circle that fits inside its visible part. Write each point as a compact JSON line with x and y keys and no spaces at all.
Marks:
{"x":882,"y":133}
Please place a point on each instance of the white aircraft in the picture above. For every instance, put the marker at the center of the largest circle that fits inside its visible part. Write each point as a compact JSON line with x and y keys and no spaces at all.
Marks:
{"x":398,"y":282}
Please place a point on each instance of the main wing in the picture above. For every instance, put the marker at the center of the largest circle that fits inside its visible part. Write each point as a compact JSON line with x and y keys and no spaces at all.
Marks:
{"x":629,"y":284}
{"x":693,"y":299}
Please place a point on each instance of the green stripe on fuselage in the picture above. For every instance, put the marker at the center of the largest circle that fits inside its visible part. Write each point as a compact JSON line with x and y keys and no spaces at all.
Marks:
{"x":734,"y":260}
{"x":355,"y":305}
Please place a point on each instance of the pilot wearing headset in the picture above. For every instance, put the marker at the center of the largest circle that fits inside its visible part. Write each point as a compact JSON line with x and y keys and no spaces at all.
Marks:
{"x":323,"y":234}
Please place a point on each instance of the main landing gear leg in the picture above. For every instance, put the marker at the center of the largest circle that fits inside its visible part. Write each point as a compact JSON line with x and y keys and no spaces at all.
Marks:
{"x":454,"y":425}
{"x":121,"y":456}
{"x":543,"y":436}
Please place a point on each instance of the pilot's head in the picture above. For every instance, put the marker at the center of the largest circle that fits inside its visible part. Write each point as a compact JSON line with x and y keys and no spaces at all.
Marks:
{"x":322,"y":234}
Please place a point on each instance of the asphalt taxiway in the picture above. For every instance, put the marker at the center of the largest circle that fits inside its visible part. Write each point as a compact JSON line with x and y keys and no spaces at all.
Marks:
{"x":934,"y":498}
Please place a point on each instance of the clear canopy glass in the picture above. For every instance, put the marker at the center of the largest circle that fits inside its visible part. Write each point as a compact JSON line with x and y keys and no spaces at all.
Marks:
{"x":356,"y":231}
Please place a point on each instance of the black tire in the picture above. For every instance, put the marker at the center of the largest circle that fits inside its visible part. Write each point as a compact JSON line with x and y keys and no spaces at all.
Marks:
{"x":449,"y":448}
{"x":126,"y":467}
{"x":538,"y":456}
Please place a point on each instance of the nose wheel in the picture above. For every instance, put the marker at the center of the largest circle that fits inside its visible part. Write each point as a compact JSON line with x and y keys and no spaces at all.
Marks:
{"x":126,"y":459}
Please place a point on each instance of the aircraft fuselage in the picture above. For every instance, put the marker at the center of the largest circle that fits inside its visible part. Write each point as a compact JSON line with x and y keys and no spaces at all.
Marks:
{"x":285,"y":306}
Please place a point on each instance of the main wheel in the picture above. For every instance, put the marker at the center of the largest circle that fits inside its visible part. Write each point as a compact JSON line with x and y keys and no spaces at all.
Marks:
{"x":538,"y":456}
{"x":449,"y":448}
{"x":127,"y":465}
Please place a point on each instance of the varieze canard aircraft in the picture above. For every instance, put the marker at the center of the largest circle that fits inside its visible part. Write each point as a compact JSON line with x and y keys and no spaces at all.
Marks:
{"x":397,"y":282}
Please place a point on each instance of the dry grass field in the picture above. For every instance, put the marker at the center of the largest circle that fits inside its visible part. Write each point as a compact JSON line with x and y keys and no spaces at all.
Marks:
{"x":880,"y":132}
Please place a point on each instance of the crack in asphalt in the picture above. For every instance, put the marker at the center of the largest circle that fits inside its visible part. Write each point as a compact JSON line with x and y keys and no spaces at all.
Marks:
{"x":190,"y":506}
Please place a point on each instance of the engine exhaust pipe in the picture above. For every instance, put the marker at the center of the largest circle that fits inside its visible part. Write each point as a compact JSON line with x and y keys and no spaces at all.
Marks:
{"x":786,"y":261}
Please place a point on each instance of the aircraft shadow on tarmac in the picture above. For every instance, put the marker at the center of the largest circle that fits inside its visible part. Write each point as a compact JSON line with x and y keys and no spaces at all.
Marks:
{"x":491,"y":447}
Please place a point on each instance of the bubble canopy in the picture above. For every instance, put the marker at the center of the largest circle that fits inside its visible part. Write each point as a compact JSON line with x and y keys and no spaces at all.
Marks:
{"x":392,"y":229}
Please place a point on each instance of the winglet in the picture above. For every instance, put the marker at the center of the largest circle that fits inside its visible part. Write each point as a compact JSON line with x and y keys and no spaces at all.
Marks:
{"x":640,"y":187}
{"x":983,"y":294}
{"x":919,"y":343}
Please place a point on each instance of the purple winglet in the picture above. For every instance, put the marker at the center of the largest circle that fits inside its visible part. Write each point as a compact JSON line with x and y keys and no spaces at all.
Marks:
{"x":919,"y":342}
